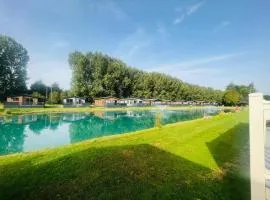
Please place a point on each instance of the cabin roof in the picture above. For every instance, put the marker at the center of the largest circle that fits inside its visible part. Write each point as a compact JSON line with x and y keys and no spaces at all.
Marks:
{"x":131,"y":98}
{"x":75,"y":97}
{"x":109,"y":97}
{"x":150,"y":99}
{"x":20,"y":95}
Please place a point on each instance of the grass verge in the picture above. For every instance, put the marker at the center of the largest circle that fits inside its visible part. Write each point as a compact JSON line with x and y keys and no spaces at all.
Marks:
{"x":200,"y":159}
{"x":59,"y":109}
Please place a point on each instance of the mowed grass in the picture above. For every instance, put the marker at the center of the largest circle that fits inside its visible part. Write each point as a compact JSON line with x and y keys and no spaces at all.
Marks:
{"x":60,"y":109}
{"x":200,"y":159}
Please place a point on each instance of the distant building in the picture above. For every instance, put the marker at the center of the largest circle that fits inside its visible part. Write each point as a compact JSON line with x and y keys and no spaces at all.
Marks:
{"x":177,"y":103}
{"x":106,"y":101}
{"x":131,"y":102}
{"x":24,"y":101}
{"x":163,"y":102}
{"x":74,"y":100}
{"x":149,"y":102}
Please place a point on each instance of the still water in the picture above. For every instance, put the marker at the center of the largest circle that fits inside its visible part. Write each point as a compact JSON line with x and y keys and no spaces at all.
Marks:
{"x":38,"y":131}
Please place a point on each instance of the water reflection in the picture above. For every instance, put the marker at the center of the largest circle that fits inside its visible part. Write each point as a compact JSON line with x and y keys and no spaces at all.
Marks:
{"x":109,"y":123}
{"x":32,"y":132}
{"x":11,"y":138}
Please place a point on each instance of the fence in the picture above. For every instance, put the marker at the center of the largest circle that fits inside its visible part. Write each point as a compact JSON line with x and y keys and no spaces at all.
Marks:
{"x":17,"y":105}
{"x":259,"y":111}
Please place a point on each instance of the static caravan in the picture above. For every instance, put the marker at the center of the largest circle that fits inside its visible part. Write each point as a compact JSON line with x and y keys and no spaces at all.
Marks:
{"x":74,"y":102}
{"x":132,"y":102}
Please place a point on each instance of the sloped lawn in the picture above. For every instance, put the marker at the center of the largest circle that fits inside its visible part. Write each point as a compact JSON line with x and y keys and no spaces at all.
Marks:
{"x":201,"y":159}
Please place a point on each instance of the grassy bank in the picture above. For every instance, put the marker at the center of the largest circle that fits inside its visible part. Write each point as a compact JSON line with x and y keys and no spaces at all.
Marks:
{"x":201,"y":159}
{"x":1,"y":108}
{"x":59,"y":109}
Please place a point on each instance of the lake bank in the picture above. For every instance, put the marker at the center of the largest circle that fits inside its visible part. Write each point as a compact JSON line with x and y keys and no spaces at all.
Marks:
{"x":20,"y":111}
{"x":204,"y":158}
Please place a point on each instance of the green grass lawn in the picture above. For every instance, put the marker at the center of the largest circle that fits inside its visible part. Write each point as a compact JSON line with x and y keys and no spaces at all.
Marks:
{"x":60,"y":109}
{"x":201,"y":159}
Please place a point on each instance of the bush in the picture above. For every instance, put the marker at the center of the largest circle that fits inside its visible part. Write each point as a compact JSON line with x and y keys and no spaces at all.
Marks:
{"x":228,"y":110}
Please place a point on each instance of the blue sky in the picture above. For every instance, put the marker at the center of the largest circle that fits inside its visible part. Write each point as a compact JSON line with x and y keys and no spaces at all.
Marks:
{"x":206,"y":42}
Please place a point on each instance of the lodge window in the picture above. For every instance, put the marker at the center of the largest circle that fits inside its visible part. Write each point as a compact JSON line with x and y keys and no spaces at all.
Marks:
{"x":15,"y":99}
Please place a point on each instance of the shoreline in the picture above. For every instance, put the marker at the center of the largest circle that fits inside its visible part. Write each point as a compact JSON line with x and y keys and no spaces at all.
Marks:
{"x":22,"y":111}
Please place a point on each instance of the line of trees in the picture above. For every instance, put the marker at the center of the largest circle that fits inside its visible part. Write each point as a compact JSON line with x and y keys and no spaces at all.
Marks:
{"x":97,"y":75}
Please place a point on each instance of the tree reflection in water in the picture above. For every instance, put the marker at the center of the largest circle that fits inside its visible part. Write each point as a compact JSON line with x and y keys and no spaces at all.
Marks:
{"x":81,"y":126}
{"x":11,"y":138}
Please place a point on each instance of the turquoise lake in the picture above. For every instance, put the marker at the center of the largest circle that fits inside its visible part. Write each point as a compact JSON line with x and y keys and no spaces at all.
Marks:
{"x":25,"y":133}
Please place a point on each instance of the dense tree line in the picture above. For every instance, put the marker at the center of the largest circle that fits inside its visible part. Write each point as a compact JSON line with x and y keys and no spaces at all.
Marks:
{"x":97,"y":75}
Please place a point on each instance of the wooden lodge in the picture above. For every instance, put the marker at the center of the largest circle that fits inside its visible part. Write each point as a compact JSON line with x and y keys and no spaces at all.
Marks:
{"x":106,"y":101}
{"x":24,"y":101}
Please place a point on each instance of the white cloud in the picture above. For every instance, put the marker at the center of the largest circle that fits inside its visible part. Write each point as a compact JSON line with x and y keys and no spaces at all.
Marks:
{"x":187,"y":11}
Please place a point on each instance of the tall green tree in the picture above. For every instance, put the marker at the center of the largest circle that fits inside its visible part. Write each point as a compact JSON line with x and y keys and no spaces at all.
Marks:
{"x":243,"y":90}
{"x":13,"y":67}
{"x":54,"y":97}
{"x":39,"y":87}
{"x":81,"y":82}
{"x":55,"y":87}
{"x":231,"y":97}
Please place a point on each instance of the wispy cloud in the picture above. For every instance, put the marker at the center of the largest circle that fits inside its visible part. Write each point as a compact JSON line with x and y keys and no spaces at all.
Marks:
{"x":193,"y":8}
{"x":109,"y":6}
{"x":140,"y":46}
{"x":187,"y":11}
{"x":179,"y":20}
{"x":195,"y":62}
{"x":161,"y":30}
{"x":133,"y":43}
{"x":223,"y":24}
